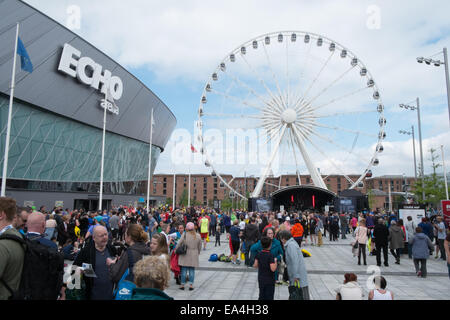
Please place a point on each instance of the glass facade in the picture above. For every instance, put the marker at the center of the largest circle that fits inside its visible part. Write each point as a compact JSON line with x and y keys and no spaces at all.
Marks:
{"x":50,"y":152}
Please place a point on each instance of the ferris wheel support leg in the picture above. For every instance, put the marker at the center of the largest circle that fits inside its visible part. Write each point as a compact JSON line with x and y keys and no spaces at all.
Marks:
{"x":315,"y":175}
{"x":262,"y":179}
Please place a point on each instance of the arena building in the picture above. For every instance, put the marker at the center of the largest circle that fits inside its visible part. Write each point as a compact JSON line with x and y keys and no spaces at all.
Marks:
{"x":56,"y":130}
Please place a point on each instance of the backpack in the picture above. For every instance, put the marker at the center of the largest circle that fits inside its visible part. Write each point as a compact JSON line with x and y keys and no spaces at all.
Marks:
{"x":125,"y":286}
{"x":42,"y":273}
{"x":213,"y":257}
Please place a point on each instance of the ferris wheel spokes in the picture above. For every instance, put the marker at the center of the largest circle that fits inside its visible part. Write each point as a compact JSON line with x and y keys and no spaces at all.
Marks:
{"x":305,"y":94}
{"x":278,"y":100}
{"x":312,"y":108}
{"x":315,"y":176}
{"x":259,"y":185}
{"x":330,"y":85}
{"x":275,"y":78}
{"x":327,"y":158}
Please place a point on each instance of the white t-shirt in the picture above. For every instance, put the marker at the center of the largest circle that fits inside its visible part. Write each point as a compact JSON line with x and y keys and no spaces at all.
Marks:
{"x":350,"y":291}
{"x":242,"y":225}
{"x":382,"y":296}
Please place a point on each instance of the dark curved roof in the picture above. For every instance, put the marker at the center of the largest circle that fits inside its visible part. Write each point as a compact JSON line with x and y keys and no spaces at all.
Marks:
{"x":308,"y":187}
{"x":51,"y":90}
{"x":351,"y":193}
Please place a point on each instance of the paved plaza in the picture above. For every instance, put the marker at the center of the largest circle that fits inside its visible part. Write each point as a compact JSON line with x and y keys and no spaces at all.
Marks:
{"x":326,"y":268}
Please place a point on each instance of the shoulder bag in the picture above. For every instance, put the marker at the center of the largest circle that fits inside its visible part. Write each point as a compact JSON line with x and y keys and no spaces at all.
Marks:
{"x":182,"y":247}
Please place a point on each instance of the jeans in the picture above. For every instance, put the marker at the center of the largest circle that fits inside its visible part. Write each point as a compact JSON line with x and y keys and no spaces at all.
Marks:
{"x":423,"y":266}
{"x":362,"y":249}
{"x":396,"y":253}
{"x":248,"y":245}
{"x":385,"y":254}
{"x":266,"y":291}
{"x":448,"y":266}
{"x":409,"y":251}
{"x":185,"y":270}
{"x":212,"y":230}
{"x":442,"y":248}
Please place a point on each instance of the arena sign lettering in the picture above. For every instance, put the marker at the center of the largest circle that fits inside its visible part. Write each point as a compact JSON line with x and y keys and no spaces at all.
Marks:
{"x":92,"y":74}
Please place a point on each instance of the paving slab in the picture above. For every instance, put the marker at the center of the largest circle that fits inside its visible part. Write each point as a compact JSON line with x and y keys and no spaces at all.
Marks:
{"x":325,"y":267}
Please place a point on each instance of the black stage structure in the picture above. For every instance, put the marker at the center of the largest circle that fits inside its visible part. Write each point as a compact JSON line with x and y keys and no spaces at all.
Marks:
{"x":295,"y":198}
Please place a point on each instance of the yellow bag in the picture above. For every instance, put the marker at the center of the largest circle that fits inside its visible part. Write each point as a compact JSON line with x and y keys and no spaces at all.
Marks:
{"x":207,"y":238}
{"x":242,"y":256}
{"x":77,"y":231}
{"x":369,"y":244}
{"x":306,"y":253}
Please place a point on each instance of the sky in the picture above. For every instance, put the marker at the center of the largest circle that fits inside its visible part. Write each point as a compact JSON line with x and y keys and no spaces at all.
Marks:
{"x":173,"y":47}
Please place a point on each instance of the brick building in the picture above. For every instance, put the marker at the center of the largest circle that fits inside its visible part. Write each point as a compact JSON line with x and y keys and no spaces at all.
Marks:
{"x":207,"y":188}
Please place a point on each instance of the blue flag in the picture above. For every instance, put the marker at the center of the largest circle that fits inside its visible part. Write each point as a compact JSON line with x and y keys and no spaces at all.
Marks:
{"x":25,"y":62}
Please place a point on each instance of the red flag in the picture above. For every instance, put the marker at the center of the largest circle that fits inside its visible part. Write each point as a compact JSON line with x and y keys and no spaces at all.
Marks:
{"x":193,"y":149}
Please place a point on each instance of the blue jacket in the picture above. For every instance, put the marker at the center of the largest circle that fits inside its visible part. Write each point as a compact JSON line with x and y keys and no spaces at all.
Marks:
{"x":226,"y":220}
{"x":421,"y":246}
{"x":276,"y":250}
{"x":427,"y":229}
{"x":40,"y":238}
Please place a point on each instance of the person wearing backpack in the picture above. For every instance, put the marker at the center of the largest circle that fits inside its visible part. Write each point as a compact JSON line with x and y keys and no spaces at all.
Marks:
{"x":11,"y":252}
{"x":40,"y":258}
{"x":96,"y":253}
{"x":55,"y":272}
{"x":136,"y":239}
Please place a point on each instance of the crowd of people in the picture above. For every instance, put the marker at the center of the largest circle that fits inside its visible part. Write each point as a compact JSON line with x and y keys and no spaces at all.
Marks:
{"x":133,"y":253}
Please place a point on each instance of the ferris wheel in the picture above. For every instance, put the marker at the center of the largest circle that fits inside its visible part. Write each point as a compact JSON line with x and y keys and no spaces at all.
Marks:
{"x":307,"y":98}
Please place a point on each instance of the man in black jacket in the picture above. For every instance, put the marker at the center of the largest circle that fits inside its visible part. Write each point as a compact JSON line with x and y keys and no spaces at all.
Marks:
{"x":251,"y":236}
{"x":381,"y":235}
{"x":98,"y":253}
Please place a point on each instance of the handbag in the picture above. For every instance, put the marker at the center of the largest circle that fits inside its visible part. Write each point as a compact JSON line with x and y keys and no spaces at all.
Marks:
{"x":182,"y":247}
{"x":295,"y":292}
{"x":174,"y":266}
{"x":125,"y":286}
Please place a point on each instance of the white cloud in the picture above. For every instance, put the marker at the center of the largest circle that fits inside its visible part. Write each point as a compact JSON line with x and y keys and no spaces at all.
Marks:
{"x":183,"y":41}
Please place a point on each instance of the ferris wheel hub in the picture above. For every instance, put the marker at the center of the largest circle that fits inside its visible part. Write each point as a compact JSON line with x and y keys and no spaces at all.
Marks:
{"x":289,"y":116}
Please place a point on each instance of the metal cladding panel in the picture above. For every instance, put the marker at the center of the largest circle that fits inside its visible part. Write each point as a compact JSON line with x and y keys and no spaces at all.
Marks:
{"x":57,"y":92}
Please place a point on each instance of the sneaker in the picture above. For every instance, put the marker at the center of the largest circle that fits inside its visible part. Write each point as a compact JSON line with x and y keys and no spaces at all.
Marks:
{"x":419,"y":273}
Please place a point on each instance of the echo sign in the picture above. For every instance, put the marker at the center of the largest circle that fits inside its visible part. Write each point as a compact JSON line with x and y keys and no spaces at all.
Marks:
{"x":89,"y":72}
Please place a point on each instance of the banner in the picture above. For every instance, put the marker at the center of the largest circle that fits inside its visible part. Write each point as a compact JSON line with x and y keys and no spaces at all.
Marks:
{"x":446,"y":210}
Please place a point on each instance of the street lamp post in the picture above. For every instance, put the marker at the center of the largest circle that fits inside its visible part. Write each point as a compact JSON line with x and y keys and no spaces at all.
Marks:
{"x":437,"y":63}
{"x":445,"y":173}
{"x":414,"y":148}
{"x":417,"y":107}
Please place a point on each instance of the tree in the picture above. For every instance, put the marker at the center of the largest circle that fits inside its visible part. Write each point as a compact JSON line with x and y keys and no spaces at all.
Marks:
{"x":433,"y":186}
{"x":226,"y":204}
{"x":371,"y":199}
{"x":184,"y":198}
{"x":169,"y":201}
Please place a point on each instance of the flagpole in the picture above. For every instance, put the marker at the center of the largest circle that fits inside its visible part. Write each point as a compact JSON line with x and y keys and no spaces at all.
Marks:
{"x":149,"y":162}
{"x":8,"y":130}
{"x":189,"y":188}
{"x":174,"y":190}
{"x":103,"y":151}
